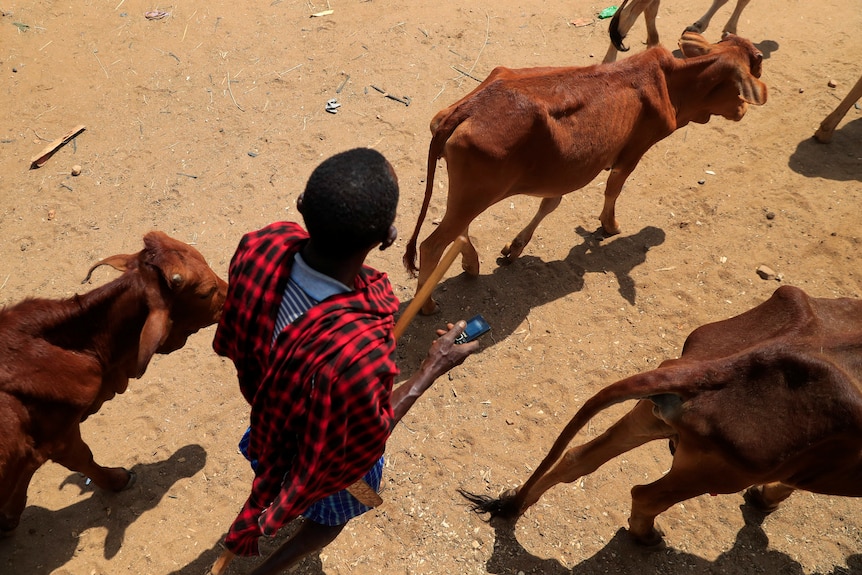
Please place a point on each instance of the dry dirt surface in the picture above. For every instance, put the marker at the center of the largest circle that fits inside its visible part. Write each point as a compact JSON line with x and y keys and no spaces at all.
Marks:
{"x":206,"y":122}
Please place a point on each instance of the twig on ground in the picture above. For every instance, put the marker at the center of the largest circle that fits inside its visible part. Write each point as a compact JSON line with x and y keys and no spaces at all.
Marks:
{"x":229,"y":91}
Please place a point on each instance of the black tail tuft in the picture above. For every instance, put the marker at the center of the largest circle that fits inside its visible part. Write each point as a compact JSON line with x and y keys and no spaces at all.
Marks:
{"x":500,"y":507}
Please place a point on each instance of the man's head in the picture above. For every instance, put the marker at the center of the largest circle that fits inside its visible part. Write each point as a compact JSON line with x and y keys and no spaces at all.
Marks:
{"x":349,"y":203}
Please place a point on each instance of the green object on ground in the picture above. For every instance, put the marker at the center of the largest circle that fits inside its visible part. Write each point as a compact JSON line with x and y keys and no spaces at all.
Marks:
{"x":607,"y":12}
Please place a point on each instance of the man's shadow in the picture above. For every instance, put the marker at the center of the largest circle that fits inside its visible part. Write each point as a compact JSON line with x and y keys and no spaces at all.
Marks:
{"x":310,"y":565}
{"x":750,"y":554}
{"x":506,"y":296}
{"x":46,"y":540}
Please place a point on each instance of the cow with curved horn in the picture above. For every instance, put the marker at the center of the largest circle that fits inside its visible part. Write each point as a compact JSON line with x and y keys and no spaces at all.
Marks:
{"x":60,"y":360}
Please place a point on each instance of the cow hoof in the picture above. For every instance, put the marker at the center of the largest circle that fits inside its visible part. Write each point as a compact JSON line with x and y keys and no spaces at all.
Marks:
{"x":133,"y":477}
{"x":753,"y":496}
{"x":654,"y":539}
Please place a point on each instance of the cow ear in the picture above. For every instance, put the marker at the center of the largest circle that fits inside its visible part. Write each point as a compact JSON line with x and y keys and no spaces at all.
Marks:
{"x":120,"y":262}
{"x":751,"y":90}
{"x":693,"y":44}
{"x":153,"y":335}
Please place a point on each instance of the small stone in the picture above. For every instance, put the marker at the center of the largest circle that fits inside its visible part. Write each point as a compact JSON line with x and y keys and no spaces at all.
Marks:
{"x":766,"y":273}
{"x":801,"y":90}
{"x":770,"y":215}
{"x":832,"y":84}
{"x":701,"y":182}
{"x":76,"y":170}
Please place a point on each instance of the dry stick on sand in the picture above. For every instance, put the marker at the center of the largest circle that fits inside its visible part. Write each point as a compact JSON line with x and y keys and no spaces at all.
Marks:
{"x":43,"y":156}
{"x":221,"y":564}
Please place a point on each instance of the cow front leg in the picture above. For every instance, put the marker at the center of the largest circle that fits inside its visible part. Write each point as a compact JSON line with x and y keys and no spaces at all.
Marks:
{"x":76,"y":455}
{"x":766,"y":498}
{"x":513,"y":249}
{"x":733,"y":21}
{"x":703,"y":22}
{"x":15,"y":499}
{"x":608,"y":217}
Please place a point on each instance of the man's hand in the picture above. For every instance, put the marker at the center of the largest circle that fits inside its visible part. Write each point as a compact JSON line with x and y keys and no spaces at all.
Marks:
{"x":443,"y":355}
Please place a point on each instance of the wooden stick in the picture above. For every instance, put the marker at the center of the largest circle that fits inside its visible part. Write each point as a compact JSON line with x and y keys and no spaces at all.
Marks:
{"x":49,"y":150}
{"x":221,"y":564}
{"x":423,"y":294}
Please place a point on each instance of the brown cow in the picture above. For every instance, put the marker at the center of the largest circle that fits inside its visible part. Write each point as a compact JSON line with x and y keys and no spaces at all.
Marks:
{"x":549,"y":131}
{"x":60,"y":360}
{"x":627,"y":15}
{"x":828,"y":125}
{"x":771,"y":398}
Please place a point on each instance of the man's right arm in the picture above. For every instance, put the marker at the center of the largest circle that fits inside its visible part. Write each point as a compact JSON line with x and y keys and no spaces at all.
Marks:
{"x":443,"y":355}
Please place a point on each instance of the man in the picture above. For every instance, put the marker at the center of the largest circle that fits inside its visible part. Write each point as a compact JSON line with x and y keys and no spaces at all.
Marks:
{"x":309,"y":328}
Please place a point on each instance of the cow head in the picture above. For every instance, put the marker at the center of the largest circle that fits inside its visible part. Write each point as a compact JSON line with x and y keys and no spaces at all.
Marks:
{"x":730,"y":72}
{"x":183,"y":294}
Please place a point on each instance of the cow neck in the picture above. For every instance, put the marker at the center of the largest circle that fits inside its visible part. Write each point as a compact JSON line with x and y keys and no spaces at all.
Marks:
{"x":689,"y":82}
{"x":107,"y":322}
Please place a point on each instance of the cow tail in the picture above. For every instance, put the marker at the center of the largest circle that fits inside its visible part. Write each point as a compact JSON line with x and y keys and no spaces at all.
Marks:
{"x":614,"y":29}
{"x":440,"y":133}
{"x":665,"y":379}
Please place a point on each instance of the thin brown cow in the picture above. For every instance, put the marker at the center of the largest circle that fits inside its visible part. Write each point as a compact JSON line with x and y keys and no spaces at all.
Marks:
{"x":546,"y":132}
{"x":769,"y":400}
{"x":60,"y":360}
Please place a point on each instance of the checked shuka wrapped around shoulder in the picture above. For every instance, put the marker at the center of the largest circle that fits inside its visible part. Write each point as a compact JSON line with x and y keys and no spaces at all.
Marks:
{"x":320,"y":395}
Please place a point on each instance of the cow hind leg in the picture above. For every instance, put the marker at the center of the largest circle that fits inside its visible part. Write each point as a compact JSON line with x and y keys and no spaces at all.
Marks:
{"x":766,"y":498}
{"x":431,"y":250}
{"x":637,"y":427}
{"x":828,"y":125}
{"x":513,"y":249}
{"x":690,"y":475}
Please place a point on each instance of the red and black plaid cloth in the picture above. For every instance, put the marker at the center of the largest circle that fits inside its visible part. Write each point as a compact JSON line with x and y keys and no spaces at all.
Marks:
{"x":320,"y":396}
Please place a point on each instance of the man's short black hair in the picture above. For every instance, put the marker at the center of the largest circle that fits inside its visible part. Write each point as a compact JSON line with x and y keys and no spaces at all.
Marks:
{"x":349,"y":202}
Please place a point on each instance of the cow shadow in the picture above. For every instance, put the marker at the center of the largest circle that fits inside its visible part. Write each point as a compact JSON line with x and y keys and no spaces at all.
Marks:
{"x":750,"y":553}
{"x":838,"y":160}
{"x":506,"y":295}
{"x":47,"y":539}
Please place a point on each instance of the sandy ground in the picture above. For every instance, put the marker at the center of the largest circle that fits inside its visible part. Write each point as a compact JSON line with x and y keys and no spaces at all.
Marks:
{"x":206,"y":124}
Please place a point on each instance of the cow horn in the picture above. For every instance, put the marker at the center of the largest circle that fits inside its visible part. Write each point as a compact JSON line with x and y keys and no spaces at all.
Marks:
{"x":176,"y":279}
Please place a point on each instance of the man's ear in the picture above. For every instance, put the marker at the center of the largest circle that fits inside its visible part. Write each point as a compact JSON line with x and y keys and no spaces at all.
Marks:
{"x":390,"y":238}
{"x":299,"y":203}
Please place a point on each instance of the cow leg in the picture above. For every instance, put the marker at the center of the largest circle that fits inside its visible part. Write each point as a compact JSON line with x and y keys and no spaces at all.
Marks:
{"x":513,"y":249}
{"x":768,"y":497}
{"x":76,"y":456}
{"x":15,"y":498}
{"x":650,"y":15}
{"x":692,"y":473}
{"x":627,"y":18}
{"x":637,"y":427}
{"x":733,"y":21}
{"x":703,"y":22}
{"x":608,"y":217}
{"x":431,"y":249}
{"x":828,"y":125}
